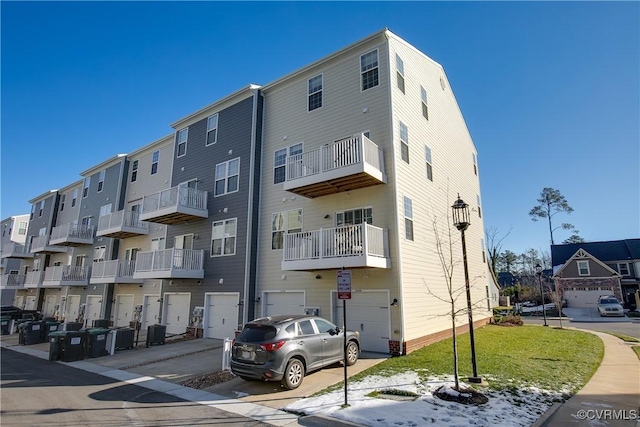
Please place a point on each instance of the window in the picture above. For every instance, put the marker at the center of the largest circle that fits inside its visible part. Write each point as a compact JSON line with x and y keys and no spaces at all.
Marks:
{"x":284,"y":222}
{"x":85,"y":222}
{"x":306,"y":328}
{"x":40,"y":208}
{"x":475,"y":163}
{"x":623,"y":269}
{"x":131,"y":254}
{"x":33,"y":211}
{"x":134,"y":171}
{"x":479,"y":208}
{"x":223,"y":238}
{"x":404,"y":142}
{"x":482,"y":249}
{"x":75,"y":197}
{"x":22,"y":228}
{"x":429,"y":163}
{"x":63,"y":198}
{"x":315,"y":92}
{"x":354,"y":217}
{"x":212,"y":129}
{"x":85,"y":188}
{"x":182,"y":141}
{"x":227,"y":177}
{"x":369,"y":69}
{"x":583,"y":268}
{"x":400,"y":71}
{"x":158,"y":244}
{"x":408,"y":218}
{"x":425,"y":109}
{"x":280,"y":161}
{"x":98,"y":253}
{"x":105,"y":209}
{"x":101,"y":180}
{"x":154,"y":162}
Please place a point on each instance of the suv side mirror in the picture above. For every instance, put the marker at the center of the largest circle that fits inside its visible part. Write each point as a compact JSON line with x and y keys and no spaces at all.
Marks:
{"x":337,"y":330}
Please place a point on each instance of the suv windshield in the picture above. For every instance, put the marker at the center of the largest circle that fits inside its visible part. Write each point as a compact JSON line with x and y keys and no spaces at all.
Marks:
{"x":257,"y":333}
{"x":609,"y":301}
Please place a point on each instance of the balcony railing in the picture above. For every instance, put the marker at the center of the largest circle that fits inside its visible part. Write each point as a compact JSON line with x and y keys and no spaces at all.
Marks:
{"x":361,"y":245}
{"x":33,"y":279}
{"x":122,"y":224}
{"x":347,"y":164}
{"x":176,"y":204}
{"x":66,"y":275}
{"x":114,"y":271}
{"x":170,"y":264}
{"x":13,"y":281}
{"x":15,"y":250}
{"x":72,"y":235}
{"x":41,"y":244}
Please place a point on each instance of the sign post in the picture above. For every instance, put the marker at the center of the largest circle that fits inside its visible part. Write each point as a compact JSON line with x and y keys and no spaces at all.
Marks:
{"x":344,"y":293}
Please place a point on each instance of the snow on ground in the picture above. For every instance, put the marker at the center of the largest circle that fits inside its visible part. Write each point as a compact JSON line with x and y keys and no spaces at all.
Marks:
{"x":505,"y":408}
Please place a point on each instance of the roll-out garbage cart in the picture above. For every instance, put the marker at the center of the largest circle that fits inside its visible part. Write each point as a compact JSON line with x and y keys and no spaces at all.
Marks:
{"x":74,"y":346}
{"x":73,"y":326}
{"x":5,"y":325}
{"x":156,"y":334}
{"x":97,"y":342}
{"x":32,"y":333}
{"x":55,"y":345}
{"x":124,"y":338}
{"x":101,"y":323}
{"x":48,"y":328}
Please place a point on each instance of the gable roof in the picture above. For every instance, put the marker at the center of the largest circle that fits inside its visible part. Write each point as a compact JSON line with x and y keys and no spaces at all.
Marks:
{"x":582,"y":254}
{"x":614,"y":250}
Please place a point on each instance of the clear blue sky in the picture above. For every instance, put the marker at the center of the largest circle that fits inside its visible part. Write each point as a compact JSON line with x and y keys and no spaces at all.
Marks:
{"x":549,"y":90}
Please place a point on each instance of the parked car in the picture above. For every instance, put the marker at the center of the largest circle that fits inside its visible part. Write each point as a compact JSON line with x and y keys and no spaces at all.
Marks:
{"x":286,"y":347}
{"x":17,"y":313}
{"x":609,"y":306}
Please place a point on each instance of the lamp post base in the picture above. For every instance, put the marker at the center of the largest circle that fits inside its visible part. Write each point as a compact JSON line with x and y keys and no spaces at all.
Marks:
{"x":475,"y":380}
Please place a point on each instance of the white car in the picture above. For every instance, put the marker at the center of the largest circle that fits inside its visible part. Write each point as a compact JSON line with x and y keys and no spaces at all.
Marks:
{"x":609,"y":306}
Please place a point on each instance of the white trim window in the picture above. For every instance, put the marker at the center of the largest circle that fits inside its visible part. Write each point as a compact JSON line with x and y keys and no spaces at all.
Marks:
{"x":369,"y":70}
{"x":75,"y":198}
{"x":404,"y":142}
{"x":355,"y":216}
{"x":479,"y":206}
{"x":101,"y":180}
{"x":408,"y":218}
{"x":223,"y":237}
{"x":183,"y":134}
{"x":483,"y":250}
{"x":583,"y":268}
{"x":106,"y":209}
{"x":280,"y":161}
{"x":623,"y":269}
{"x":134,"y":171}
{"x":227,"y":175}
{"x":40,"y":208}
{"x":282,"y":223}
{"x":22,"y":228}
{"x":99,"y":253}
{"x":425,"y":108}
{"x":474,"y":158}
{"x":400,"y":72}
{"x":63,"y":199}
{"x":158,"y":244}
{"x":85,"y":188}
{"x":314,"y":88}
{"x":154,"y":162}
{"x":212,"y":129}
{"x":428,"y":162}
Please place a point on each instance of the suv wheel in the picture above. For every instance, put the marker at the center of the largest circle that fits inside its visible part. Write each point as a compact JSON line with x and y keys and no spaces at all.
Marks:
{"x":293,"y":374}
{"x":352,"y":353}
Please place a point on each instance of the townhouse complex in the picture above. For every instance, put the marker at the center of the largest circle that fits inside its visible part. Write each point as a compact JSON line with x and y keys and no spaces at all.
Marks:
{"x":252,"y":205}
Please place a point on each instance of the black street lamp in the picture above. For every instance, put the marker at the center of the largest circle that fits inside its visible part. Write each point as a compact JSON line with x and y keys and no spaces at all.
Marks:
{"x":539,"y":274}
{"x":461,"y":221}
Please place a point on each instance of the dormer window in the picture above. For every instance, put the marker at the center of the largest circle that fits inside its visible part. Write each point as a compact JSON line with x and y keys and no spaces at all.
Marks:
{"x":623,"y":269}
{"x":583,"y":268}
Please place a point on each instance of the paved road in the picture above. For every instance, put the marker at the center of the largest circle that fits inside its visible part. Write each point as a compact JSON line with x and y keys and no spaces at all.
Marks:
{"x":41,"y":393}
{"x":630,"y":328}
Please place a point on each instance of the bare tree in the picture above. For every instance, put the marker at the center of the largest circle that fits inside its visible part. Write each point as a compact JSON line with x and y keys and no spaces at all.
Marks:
{"x":550,"y":203}
{"x":494,"y":247}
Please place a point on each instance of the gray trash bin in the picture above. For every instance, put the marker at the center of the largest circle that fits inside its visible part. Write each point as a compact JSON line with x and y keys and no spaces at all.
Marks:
{"x":97,"y":342}
{"x":124,"y":338}
{"x":156,"y":334}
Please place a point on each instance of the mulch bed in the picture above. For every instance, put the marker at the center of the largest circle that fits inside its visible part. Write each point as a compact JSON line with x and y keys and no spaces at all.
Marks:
{"x":466,"y":396}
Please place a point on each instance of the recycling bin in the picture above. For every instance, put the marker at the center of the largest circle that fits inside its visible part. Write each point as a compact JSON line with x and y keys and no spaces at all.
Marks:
{"x":33,"y":333}
{"x":48,"y":328}
{"x":73,"y":326}
{"x":156,"y":334}
{"x":97,"y":340}
{"x":5,"y":325}
{"x":101,"y":323}
{"x":74,"y":346}
{"x":55,"y":345}
{"x":124,"y":338}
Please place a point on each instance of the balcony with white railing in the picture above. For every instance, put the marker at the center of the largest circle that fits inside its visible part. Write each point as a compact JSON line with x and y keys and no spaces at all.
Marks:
{"x":12,"y":281}
{"x":121,"y":225}
{"x":173,"y":205}
{"x":361,"y":245}
{"x":15,"y":250}
{"x":347,"y":164}
{"x":114,"y":271}
{"x":42,"y":244}
{"x":33,"y":279}
{"x":66,"y":275}
{"x":72,"y":235}
{"x":170,"y":264}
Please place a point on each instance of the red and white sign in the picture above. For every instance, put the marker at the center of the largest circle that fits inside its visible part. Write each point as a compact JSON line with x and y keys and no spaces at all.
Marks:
{"x":344,"y":284}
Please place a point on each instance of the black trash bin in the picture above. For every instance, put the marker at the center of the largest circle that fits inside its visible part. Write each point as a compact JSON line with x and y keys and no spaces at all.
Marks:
{"x":74,"y":346}
{"x":73,"y":326}
{"x":33,"y":333}
{"x":5,"y":325}
{"x":156,"y":334}
{"x":55,"y":345}
{"x":97,"y":342}
{"x":101,"y":323}
{"x":124,"y":338}
{"x":48,"y":328}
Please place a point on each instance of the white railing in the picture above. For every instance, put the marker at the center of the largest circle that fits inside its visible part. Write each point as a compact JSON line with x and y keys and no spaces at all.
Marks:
{"x":122,"y":219}
{"x":14,"y":249}
{"x":71,"y":230}
{"x":169,"y":259}
{"x":13,"y":280}
{"x":174,"y":197}
{"x":66,"y":273}
{"x":346,"y":241}
{"x":39,"y":242}
{"x":340,"y":154}
{"x":112,"y":269}
{"x":34,"y":278}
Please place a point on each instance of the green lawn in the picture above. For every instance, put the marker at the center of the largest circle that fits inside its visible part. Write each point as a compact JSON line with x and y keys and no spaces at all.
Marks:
{"x":509,"y":357}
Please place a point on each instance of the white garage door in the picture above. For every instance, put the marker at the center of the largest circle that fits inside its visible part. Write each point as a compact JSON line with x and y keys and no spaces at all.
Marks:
{"x":176,"y":316}
{"x":577,"y":299}
{"x":368,"y":313}
{"x":221,"y":315}
{"x":124,"y":310}
{"x":283,"y":303}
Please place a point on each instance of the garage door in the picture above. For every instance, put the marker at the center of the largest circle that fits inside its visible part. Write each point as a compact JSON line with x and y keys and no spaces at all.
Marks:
{"x":577,"y":299}
{"x":368,"y":313}
{"x":176,"y":316}
{"x":221,"y":315}
{"x":124,"y":310}
{"x":284,"y":303}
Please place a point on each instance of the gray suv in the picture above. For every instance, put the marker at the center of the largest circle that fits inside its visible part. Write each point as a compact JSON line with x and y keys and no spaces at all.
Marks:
{"x":285,"y":347}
